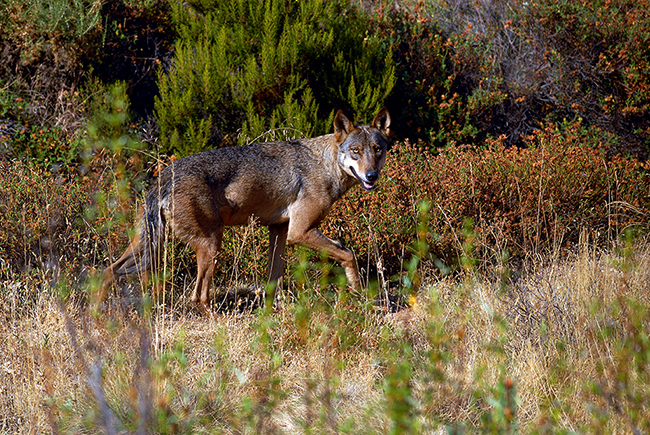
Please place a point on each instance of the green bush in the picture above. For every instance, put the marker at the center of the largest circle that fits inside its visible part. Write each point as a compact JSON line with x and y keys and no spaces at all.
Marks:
{"x":244,"y":68}
{"x":47,"y":147}
{"x":56,"y":148}
{"x":60,"y":207}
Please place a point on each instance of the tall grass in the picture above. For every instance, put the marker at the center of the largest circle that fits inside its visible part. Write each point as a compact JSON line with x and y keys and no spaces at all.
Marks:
{"x":560,"y":348}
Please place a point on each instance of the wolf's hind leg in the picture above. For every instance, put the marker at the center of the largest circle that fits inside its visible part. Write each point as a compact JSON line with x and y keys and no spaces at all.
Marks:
{"x":206,"y":256}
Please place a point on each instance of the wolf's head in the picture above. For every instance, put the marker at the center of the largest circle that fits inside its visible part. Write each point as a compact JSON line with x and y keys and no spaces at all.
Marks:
{"x":362,"y":149}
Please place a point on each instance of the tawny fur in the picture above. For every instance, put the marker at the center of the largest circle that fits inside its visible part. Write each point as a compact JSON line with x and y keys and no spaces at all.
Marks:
{"x":288,"y":186}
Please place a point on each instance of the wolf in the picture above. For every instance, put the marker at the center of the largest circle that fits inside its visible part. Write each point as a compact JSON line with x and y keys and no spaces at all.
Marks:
{"x":289,"y":186}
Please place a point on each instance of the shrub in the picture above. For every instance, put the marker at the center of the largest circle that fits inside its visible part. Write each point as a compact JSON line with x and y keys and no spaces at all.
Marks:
{"x":424,"y":72}
{"x":524,"y":202}
{"x":60,"y":208}
{"x":55,"y":26}
{"x":272,"y":65}
{"x":42,"y":47}
{"x":47,"y":147}
{"x":41,"y":218}
{"x":547,"y":60}
{"x":470,"y":71}
{"x":50,"y":51}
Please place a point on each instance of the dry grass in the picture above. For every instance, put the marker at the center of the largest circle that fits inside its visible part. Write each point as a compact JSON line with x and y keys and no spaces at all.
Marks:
{"x":562,"y":333}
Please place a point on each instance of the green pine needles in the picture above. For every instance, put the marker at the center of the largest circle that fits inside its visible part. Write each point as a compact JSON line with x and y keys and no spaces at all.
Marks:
{"x":247,"y":71}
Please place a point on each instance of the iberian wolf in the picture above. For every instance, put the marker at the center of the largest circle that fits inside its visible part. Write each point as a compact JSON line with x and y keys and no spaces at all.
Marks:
{"x":288,"y":186}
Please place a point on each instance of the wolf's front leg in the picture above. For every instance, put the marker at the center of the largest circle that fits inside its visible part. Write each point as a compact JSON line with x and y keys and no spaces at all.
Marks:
{"x":277,"y":245}
{"x":317,"y":241}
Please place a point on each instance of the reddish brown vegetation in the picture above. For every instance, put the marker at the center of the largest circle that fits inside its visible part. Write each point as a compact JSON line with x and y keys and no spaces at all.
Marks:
{"x":523,"y":201}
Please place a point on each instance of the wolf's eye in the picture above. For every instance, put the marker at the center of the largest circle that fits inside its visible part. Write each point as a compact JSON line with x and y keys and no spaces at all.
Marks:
{"x":355,"y":150}
{"x":377,"y":151}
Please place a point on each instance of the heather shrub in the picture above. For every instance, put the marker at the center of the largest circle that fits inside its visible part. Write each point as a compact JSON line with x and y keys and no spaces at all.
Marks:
{"x":551,"y":60}
{"x":41,"y":219}
{"x":60,"y":226}
{"x":596,"y":61}
{"x":67,"y":203}
{"x":42,"y":46}
{"x":48,"y":147}
{"x":470,"y":70}
{"x":444,"y":88}
{"x":24,"y":136}
{"x":523,"y":202}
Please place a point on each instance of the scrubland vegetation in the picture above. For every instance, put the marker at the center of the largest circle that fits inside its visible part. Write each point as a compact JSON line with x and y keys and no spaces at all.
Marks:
{"x":505,"y":252}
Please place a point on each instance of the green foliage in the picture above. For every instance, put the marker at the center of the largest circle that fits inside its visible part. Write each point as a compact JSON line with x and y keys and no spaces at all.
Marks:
{"x":72,"y":18}
{"x":57,"y":197}
{"x":43,"y":145}
{"x":617,"y":391}
{"x":401,"y":403}
{"x":46,"y":25}
{"x":108,"y":124}
{"x":446,"y":85}
{"x":469,"y":71}
{"x":108,"y":131}
{"x":11,"y":104}
{"x":601,"y":55}
{"x":258,"y":66}
{"x":47,"y":147}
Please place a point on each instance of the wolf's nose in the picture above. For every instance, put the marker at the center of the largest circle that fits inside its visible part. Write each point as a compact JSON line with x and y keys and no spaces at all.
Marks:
{"x":372,"y":176}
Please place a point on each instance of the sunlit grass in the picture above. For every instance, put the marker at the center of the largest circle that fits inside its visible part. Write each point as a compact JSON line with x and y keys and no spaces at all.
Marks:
{"x":559,"y":348}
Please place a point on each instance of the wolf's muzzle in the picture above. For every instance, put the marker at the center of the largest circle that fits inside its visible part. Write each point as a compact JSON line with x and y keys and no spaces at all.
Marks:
{"x":370,"y":180}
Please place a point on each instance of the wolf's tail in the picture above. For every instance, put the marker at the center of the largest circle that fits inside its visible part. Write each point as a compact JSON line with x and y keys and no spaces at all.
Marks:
{"x":146,"y":254}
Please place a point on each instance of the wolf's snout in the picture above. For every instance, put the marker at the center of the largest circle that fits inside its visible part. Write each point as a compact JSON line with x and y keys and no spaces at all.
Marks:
{"x":372,"y":176}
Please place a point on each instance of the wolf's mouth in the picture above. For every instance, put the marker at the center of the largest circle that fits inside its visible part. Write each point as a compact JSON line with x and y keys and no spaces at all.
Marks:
{"x":367,"y":185}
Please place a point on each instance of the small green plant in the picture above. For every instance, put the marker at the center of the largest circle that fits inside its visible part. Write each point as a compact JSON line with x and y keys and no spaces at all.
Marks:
{"x":617,"y":394}
{"x":47,"y":147}
{"x":11,"y":105}
{"x":108,"y":130}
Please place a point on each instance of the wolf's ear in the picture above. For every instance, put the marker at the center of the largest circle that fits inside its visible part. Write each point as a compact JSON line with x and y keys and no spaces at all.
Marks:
{"x":342,"y":126}
{"x":382,"y":121}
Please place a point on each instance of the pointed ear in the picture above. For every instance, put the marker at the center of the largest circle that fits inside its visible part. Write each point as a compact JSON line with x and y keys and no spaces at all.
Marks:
{"x":342,"y":126}
{"x":382,"y":121}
